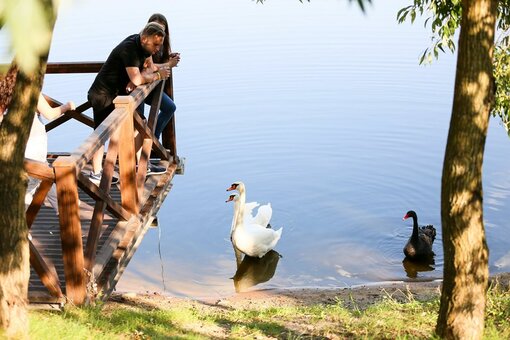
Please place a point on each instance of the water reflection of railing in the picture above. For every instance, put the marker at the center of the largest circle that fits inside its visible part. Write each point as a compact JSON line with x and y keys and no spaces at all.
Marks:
{"x":123,"y":127}
{"x":253,"y":270}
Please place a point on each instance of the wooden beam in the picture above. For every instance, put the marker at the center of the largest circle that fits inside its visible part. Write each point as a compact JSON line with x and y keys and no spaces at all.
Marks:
{"x":98,"y":215}
{"x":155,"y":105}
{"x":37,"y":202}
{"x":98,"y":137}
{"x":75,"y":114}
{"x":47,"y":274}
{"x":111,"y":244}
{"x":97,"y":194}
{"x":147,"y":133}
{"x":127,"y":156}
{"x":70,"y":229}
{"x":141,"y":174}
{"x":74,"y":67}
{"x":168,"y":135}
{"x":39,"y":170}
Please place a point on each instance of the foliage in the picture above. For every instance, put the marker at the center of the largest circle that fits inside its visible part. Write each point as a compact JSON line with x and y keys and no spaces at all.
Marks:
{"x":444,"y":20}
{"x":502,"y":79}
{"x":29,"y":30}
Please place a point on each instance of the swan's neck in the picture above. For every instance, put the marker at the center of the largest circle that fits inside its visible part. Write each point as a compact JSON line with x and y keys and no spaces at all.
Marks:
{"x":235,"y":218}
{"x":415,"y":228}
{"x":240,"y":210}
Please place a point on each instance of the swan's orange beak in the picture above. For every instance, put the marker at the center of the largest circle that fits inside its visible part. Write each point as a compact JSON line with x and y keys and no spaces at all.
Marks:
{"x":230,"y":198}
{"x":232,"y":187}
{"x":405,"y":217}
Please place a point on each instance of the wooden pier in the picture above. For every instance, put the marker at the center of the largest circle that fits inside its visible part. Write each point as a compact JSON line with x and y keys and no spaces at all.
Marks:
{"x":79,"y":255}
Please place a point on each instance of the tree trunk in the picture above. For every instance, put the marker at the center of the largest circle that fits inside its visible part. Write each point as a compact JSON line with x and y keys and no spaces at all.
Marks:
{"x":463,"y":296}
{"x":14,"y":249}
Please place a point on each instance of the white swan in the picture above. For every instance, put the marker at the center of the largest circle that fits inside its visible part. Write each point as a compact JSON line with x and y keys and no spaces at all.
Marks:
{"x":251,"y":239}
{"x":264,"y":212}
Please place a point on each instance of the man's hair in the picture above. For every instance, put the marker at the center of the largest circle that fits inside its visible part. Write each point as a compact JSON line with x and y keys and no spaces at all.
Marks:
{"x":153,"y":28}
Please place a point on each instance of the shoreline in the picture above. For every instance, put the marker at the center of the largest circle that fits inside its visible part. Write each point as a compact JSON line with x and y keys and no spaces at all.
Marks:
{"x":355,"y":297}
{"x":352,"y":297}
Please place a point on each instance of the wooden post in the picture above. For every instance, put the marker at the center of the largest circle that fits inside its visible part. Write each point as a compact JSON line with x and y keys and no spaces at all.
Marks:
{"x":70,"y":229}
{"x":168,"y":134}
{"x":127,"y":156}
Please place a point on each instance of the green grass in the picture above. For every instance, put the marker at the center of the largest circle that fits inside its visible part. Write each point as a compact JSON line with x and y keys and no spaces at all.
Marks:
{"x":388,"y":319}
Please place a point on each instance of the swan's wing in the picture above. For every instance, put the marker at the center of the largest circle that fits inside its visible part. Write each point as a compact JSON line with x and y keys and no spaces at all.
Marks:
{"x":264,"y":214}
{"x":254,"y":240}
{"x":263,"y":237}
{"x":429,"y":232}
{"x":248,"y":211}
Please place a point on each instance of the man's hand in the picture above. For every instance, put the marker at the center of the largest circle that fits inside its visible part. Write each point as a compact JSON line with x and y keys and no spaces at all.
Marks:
{"x":174,"y":59}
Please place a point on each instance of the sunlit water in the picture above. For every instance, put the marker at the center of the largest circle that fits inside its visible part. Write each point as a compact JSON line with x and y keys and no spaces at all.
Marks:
{"x":321,"y":110}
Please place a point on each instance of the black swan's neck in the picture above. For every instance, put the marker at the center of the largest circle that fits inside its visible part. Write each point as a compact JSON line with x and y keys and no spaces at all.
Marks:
{"x":414,"y":236}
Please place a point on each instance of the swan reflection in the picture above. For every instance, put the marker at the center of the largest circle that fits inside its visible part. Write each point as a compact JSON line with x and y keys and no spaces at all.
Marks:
{"x":412,"y":267}
{"x":253,"y":270}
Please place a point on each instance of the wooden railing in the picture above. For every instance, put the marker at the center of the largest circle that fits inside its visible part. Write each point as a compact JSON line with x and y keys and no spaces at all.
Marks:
{"x":126,"y":133}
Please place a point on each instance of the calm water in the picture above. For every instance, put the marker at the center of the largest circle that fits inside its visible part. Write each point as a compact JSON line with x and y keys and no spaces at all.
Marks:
{"x":320,"y":110}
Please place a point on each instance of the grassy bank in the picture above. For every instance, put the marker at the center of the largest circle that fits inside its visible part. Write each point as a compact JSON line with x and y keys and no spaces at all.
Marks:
{"x":390,"y":313}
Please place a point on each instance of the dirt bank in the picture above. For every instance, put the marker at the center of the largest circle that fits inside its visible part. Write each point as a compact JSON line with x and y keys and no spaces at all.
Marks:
{"x":357,"y":297}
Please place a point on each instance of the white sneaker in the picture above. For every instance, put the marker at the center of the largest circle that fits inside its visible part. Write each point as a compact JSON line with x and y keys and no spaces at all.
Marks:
{"x":96,"y":178}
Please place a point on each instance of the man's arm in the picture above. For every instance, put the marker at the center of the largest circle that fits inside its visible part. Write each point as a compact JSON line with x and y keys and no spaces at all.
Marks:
{"x":139,"y":78}
{"x":144,"y":77}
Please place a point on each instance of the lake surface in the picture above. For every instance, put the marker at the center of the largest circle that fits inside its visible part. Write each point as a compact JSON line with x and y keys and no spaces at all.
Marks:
{"x":319,"y":109}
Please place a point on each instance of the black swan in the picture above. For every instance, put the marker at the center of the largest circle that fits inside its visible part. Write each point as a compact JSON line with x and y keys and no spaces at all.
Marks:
{"x":419,"y":246}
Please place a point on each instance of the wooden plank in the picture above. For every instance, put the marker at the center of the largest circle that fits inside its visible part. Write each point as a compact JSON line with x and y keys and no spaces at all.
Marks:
{"x":156,"y":197}
{"x":147,"y":133}
{"x":127,"y":161}
{"x":70,"y":229}
{"x":98,"y":137}
{"x":111,"y":244}
{"x":97,"y":217}
{"x":37,"y":201}
{"x":155,"y":105}
{"x":97,"y":194}
{"x":168,"y":135}
{"x":76,"y":114}
{"x":74,"y":67}
{"x":47,"y":274}
{"x":141,"y":174}
{"x":79,"y":116}
{"x":39,"y":170}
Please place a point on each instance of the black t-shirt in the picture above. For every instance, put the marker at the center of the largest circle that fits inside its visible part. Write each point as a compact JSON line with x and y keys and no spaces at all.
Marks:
{"x":113,"y":78}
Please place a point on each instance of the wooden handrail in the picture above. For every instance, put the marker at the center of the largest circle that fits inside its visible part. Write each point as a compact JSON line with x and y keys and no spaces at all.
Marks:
{"x":74,"y":67}
{"x":39,"y":170}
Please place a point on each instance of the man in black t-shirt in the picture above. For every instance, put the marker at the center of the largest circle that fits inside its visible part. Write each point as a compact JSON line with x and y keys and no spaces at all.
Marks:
{"x":124,"y":64}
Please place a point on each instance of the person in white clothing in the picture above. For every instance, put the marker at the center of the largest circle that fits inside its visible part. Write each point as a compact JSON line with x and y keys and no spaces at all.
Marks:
{"x":37,"y":146}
